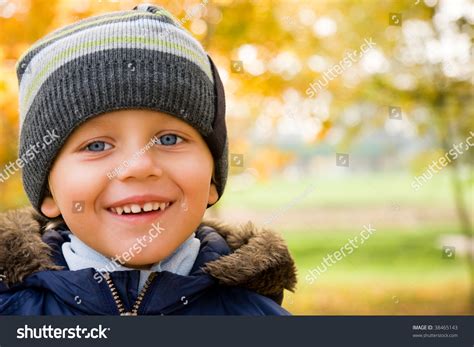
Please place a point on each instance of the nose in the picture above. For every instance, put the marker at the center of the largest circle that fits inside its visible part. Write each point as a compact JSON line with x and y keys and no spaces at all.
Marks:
{"x":141,"y":164}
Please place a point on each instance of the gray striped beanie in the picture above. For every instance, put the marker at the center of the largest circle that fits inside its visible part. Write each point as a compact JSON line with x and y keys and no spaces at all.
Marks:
{"x":142,"y":58}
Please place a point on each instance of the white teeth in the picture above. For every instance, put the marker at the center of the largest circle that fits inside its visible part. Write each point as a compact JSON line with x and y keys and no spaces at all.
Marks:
{"x":148,"y":207}
{"x":136,"y":208}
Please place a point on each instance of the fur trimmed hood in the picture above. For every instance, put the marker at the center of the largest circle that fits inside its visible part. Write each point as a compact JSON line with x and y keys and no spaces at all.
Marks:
{"x":260,"y":260}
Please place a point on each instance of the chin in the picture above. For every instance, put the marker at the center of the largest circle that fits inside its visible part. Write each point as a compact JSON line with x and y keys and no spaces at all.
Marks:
{"x":147,"y":259}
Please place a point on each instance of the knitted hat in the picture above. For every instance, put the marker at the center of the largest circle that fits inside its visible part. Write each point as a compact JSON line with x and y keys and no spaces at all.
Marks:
{"x":141,"y":59}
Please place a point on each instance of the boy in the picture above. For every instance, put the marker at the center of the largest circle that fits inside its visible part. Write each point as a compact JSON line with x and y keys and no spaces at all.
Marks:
{"x":138,"y":113}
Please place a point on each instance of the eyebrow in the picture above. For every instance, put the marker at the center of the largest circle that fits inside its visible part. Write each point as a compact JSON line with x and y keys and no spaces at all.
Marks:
{"x":164,"y":122}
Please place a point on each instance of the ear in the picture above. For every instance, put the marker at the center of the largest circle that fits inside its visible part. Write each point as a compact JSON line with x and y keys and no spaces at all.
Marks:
{"x":213,"y":196}
{"x":50,"y":208}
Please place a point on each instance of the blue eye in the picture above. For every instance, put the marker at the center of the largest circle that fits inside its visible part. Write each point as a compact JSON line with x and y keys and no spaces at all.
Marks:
{"x":168,"y":140}
{"x":97,"y":146}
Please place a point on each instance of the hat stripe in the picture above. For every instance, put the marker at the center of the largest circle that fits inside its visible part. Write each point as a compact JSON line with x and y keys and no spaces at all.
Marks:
{"x":147,"y":26}
{"x":109,"y":43}
{"x":90,"y":22}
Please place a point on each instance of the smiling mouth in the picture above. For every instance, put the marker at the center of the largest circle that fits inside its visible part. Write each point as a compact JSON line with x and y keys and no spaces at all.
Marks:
{"x":137,"y":209}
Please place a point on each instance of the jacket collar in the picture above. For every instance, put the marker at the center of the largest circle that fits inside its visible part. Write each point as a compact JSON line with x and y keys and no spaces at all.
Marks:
{"x":243,"y":256}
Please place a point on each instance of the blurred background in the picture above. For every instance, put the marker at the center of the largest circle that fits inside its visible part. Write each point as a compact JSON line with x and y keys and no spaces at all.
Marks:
{"x":317,"y":152}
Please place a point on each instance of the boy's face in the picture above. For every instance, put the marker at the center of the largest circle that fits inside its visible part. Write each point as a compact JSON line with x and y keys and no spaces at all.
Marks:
{"x":90,"y":195}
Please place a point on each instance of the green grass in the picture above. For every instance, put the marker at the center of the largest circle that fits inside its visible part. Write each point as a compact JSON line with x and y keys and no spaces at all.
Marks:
{"x":387,"y":254}
{"x":391,"y":253}
{"x":393,"y":272}
{"x":351,"y":190}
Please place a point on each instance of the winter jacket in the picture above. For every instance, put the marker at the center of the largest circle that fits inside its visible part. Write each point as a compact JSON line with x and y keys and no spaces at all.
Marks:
{"x":238,"y":271}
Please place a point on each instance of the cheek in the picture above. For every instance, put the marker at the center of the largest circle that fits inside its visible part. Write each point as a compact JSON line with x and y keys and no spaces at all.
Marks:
{"x":193,"y":175}
{"x":75,"y":185}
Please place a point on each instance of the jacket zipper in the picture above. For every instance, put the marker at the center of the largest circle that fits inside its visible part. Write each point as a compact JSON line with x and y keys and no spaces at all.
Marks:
{"x":138,"y":301}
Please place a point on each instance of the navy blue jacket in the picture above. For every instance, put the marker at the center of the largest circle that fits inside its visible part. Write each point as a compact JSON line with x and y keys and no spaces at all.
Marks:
{"x":245,"y":275}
